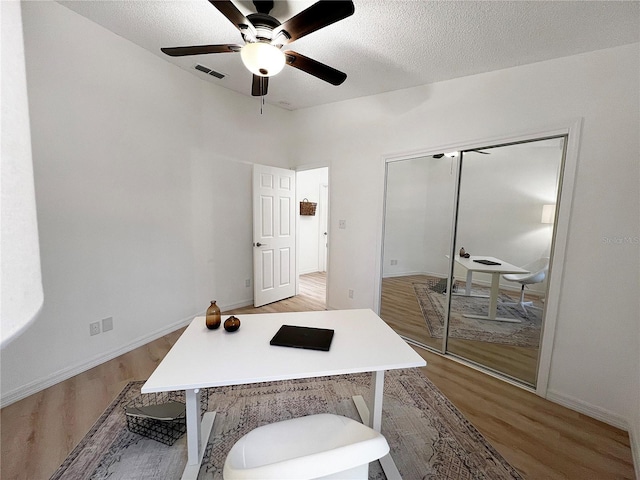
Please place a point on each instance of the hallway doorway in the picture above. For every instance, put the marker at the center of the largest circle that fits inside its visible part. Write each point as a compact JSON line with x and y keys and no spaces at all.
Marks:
{"x":312,"y":186}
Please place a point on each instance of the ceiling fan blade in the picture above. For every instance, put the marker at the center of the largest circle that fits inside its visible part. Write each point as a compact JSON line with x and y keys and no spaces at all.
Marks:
{"x":235,"y":16}
{"x":259,"y":86}
{"x":200,"y":50}
{"x":315,"y":68}
{"x":317,"y":16}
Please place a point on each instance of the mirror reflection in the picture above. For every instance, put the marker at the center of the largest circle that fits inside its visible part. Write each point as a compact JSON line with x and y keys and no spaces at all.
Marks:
{"x":419,"y":209}
{"x":497,"y":265}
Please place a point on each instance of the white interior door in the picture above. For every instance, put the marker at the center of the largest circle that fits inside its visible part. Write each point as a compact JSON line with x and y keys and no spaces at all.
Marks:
{"x":274,"y":242}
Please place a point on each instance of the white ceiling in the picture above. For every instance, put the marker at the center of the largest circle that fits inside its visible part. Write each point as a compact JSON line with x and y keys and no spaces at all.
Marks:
{"x":385,"y":45}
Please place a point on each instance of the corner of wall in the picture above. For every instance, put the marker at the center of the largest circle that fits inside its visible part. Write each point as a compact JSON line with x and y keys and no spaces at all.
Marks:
{"x":634,"y":437}
{"x":590,"y":410}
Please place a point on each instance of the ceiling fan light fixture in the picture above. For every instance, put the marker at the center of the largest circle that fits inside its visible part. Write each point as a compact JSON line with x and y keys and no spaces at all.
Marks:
{"x":262,"y":59}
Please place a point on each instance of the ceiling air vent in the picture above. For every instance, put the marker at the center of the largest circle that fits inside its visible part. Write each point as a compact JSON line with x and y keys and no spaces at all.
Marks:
{"x":208,"y":71}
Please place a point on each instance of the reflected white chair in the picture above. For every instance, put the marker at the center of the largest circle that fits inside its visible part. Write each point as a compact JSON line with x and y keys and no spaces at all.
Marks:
{"x":312,"y":447}
{"x":538,"y":271}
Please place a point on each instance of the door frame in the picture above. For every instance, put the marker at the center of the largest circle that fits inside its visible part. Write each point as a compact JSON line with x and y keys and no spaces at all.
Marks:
{"x":572,"y":129}
{"x":323,"y":231}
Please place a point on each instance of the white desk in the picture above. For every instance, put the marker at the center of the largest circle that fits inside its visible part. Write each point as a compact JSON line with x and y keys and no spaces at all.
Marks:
{"x":204,"y":358}
{"x":495,"y":271}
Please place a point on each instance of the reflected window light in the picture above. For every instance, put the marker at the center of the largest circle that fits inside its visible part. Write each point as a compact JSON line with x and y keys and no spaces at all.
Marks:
{"x":548,"y":214}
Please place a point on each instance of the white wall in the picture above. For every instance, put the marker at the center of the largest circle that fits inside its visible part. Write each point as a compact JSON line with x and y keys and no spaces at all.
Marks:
{"x":144,"y":204}
{"x":634,"y":429}
{"x":418,"y":215}
{"x":308,"y":184}
{"x":594,"y":362}
{"x":233,"y":135}
{"x":405,"y":219}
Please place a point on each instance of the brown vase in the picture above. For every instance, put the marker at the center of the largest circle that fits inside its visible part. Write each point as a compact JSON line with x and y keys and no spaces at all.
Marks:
{"x":232,"y":324}
{"x":213,"y":316}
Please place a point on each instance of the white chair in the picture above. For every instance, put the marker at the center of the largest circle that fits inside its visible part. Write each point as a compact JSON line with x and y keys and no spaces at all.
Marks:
{"x":312,"y":447}
{"x":538,"y":271}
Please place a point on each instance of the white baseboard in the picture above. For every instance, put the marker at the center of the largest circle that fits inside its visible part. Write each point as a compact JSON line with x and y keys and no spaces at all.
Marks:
{"x":634,"y":437}
{"x":36,"y":386}
{"x":308,"y":271}
{"x":408,"y":274}
{"x":241,"y":304}
{"x":592,"y":411}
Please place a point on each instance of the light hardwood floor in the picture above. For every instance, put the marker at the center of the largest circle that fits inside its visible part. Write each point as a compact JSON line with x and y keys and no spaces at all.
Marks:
{"x":400,"y":309}
{"x":541,"y":439}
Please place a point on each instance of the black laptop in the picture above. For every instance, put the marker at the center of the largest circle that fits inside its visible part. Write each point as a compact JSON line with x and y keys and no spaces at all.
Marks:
{"x":303,"y":337}
{"x":487,"y":262}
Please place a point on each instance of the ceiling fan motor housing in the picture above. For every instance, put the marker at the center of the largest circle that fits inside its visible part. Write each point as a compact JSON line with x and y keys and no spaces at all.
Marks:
{"x":264,"y":25}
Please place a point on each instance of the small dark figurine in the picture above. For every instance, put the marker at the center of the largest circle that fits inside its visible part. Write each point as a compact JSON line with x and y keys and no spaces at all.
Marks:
{"x":232,"y":324}
{"x":464,"y":254}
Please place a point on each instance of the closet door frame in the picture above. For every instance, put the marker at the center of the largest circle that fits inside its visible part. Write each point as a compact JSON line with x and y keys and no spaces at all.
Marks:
{"x":571,"y":129}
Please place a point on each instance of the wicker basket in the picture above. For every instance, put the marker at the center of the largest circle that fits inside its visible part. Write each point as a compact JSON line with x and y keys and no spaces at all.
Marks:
{"x":307,"y":207}
{"x":163,"y":431}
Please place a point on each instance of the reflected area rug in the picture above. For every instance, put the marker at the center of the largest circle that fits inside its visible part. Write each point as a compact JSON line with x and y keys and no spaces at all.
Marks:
{"x":433,"y":304}
{"x":428,"y":436}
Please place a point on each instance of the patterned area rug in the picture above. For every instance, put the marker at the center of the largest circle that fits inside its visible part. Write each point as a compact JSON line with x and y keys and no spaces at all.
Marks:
{"x":433,"y":304}
{"x":429,"y":437}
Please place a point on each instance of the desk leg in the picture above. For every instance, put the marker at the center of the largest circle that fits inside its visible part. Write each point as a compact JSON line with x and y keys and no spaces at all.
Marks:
{"x":467,"y":288}
{"x":493,"y":300}
{"x":493,"y":303}
{"x":197,"y":433}
{"x":373,"y":419}
{"x":192,"y":398}
{"x":377,"y":381}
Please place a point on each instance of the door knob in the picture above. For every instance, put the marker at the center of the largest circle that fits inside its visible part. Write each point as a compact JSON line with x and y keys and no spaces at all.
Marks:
{"x":261,"y":244}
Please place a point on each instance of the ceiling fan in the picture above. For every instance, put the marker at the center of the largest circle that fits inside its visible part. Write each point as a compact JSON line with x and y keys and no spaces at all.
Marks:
{"x":264,"y":36}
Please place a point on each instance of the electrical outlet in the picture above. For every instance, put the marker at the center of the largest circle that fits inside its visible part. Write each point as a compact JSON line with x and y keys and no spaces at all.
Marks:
{"x":94,"y":328}
{"x":342,"y":224}
{"x":350,"y":293}
{"x":247,"y":282}
{"x":107,"y":324}
{"x":394,"y":262}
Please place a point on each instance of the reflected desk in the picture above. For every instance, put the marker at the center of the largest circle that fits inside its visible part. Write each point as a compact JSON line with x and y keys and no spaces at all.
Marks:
{"x":495,"y":271}
{"x":204,"y":358}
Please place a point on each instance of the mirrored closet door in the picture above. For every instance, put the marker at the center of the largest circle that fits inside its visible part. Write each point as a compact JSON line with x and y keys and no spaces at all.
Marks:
{"x":467,"y":250}
{"x":418,"y":231}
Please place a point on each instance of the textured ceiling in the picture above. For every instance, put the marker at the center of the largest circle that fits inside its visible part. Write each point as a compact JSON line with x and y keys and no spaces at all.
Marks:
{"x":385,"y":45}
